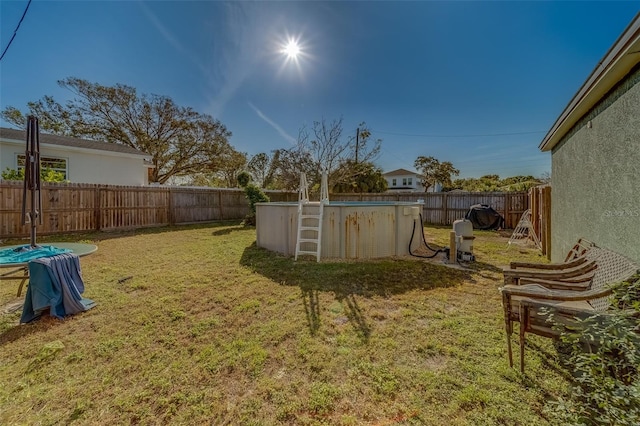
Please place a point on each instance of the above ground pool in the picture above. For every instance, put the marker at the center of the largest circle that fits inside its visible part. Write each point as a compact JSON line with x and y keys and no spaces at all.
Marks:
{"x":350,"y":230}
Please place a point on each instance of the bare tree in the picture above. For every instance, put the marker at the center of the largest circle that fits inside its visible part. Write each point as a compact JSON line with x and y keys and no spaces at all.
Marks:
{"x":325,"y":147}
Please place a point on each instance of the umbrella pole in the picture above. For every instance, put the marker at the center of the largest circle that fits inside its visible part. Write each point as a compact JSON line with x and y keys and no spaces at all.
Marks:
{"x":32,"y":179}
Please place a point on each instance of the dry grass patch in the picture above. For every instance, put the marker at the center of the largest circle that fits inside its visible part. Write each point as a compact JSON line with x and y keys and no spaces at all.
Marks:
{"x":196,"y":325}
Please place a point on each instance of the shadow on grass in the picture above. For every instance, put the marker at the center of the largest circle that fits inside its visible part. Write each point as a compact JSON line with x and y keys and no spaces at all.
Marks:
{"x":484,"y":266}
{"x":98,"y":236}
{"x":226,"y":230}
{"x":366,"y":278}
{"x":16,"y":332}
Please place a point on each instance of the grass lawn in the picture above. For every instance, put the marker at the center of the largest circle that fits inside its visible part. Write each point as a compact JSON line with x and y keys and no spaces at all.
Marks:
{"x":210,"y":329}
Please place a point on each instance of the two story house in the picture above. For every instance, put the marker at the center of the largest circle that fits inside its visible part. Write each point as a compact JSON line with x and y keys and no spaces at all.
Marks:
{"x":405,"y":180}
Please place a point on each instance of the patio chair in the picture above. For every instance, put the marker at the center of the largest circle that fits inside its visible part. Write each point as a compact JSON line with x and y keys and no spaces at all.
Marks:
{"x":524,"y":303}
{"x":578,"y":268}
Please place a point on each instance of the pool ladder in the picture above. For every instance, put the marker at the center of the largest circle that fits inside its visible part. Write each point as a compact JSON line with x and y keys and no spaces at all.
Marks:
{"x":309,"y":229}
{"x":310,"y":215}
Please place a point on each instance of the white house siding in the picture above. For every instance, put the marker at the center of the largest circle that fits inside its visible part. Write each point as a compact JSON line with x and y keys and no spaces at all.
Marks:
{"x":399,"y":178}
{"x":84,"y":165}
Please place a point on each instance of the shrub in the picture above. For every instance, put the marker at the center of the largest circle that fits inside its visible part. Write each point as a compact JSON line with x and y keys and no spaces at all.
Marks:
{"x":254,"y":195}
{"x":47,"y":175}
{"x":604,"y":351}
{"x":244,"y":178}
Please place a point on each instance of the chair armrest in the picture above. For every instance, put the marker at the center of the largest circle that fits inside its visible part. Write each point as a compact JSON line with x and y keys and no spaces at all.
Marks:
{"x":575,"y":284}
{"x":537,"y":291}
{"x":574,"y":274}
{"x":548,"y":266}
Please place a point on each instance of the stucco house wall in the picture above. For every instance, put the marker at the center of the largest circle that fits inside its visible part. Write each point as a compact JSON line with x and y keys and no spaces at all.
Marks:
{"x":595,"y":156}
{"x":595,"y":176}
{"x":87,"y":162}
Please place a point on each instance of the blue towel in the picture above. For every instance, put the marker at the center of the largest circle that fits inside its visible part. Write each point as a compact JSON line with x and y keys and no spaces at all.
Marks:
{"x":26,"y":253}
{"x":55,"y":282}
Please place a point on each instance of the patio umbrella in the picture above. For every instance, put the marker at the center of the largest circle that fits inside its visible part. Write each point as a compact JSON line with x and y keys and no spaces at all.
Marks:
{"x":32,"y":179}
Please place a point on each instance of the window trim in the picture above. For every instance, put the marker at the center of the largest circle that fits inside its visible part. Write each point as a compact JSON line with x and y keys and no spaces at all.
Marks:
{"x":45,"y":158}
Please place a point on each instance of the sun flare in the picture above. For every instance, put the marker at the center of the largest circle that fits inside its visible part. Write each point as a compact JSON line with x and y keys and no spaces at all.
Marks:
{"x":291,"y":49}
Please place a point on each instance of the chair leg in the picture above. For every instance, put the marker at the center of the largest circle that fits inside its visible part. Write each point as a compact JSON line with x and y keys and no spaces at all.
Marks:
{"x":24,"y":279}
{"x":524,"y":326}
{"x":508,"y":325}
{"x":509,"y":350}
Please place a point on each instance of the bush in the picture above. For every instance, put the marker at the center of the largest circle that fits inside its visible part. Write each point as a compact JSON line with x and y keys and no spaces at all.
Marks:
{"x":604,"y":351}
{"x":46,"y":175}
{"x":244,"y":178}
{"x":254,"y":195}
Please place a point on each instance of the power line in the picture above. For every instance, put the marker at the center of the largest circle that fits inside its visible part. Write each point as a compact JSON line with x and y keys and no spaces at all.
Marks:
{"x":16,"y":30}
{"x":457,"y":136}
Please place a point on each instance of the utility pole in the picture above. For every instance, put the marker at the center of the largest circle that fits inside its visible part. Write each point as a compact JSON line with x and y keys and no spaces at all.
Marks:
{"x":357,"y":142}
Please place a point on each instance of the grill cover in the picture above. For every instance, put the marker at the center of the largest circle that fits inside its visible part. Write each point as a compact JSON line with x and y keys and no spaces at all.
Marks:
{"x":483,"y":216}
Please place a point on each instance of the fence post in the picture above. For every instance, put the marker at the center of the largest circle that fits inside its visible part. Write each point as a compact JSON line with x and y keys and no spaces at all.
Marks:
{"x":445,"y":209}
{"x":96,"y":208}
{"x":170,"y":206}
{"x":220,"y":204}
{"x":507,"y":216}
{"x":547,"y":213}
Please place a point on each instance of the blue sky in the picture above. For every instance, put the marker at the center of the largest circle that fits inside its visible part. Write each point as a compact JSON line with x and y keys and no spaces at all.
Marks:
{"x":474,"y":83}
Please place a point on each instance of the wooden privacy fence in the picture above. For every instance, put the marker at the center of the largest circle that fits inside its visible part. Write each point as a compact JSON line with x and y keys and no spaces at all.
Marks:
{"x":72,"y":207}
{"x":443,"y":208}
{"x":540,"y":205}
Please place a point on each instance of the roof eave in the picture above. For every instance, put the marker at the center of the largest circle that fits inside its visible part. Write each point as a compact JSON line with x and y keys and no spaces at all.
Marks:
{"x":60,"y":147}
{"x":616,"y":63}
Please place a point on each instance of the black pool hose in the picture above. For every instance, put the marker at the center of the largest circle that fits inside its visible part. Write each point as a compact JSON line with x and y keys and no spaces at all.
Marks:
{"x":424,"y":240}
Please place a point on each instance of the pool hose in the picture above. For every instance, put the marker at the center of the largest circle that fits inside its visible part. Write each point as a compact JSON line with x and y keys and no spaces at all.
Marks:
{"x":424,"y":240}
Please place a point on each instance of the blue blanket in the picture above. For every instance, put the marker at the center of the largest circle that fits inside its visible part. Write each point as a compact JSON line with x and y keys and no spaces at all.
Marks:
{"x":55,"y":282}
{"x":26,"y":253}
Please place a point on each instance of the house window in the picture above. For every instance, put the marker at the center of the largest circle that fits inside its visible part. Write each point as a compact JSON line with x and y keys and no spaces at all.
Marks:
{"x":410,"y":181}
{"x":404,"y":181}
{"x":51,"y":163}
{"x":393,"y":182}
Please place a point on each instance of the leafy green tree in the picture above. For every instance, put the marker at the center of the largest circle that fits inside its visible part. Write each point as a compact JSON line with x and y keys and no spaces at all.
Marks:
{"x":518,"y":183}
{"x":493,"y":183}
{"x":433,"y":171}
{"x":180,"y":141}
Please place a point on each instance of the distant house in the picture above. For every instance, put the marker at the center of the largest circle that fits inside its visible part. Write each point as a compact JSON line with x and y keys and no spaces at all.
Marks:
{"x":405,"y":180}
{"x":595,"y":156}
{"x":80,"y":160}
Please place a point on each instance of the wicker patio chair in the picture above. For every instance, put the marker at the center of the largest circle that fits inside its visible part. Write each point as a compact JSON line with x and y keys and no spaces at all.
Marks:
{"x":524,"y":303}
{"x":578,"y":269}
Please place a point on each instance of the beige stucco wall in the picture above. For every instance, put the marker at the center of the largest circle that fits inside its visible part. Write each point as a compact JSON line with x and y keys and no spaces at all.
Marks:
{"x":85,"y":166}
{"x":596,"y":176}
